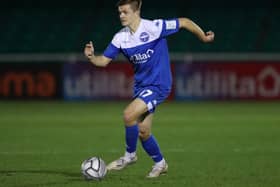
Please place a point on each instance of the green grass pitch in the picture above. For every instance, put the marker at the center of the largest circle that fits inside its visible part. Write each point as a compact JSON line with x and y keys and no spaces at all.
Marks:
{"x":206,"y":144}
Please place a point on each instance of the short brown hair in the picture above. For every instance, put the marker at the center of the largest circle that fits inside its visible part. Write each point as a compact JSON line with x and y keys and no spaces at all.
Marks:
{"x":135,"y":4}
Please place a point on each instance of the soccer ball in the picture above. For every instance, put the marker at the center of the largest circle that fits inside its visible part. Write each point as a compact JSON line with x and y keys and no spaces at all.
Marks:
{"x":94,"y":169}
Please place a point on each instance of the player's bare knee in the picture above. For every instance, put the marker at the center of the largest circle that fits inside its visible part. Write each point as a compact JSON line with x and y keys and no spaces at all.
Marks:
{"x":128,"y":118}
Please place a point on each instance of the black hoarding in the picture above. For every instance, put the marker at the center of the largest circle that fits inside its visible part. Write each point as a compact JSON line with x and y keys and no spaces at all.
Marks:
{"x":30,"y":81}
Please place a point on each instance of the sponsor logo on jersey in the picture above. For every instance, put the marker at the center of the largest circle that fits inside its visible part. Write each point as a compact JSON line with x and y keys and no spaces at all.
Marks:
{"x":144,"y":37}
{"x":170,"y":25}
{"x":141,"y":58}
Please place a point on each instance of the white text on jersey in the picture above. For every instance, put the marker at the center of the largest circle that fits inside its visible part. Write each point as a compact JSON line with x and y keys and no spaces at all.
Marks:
{"x":141,"y":58}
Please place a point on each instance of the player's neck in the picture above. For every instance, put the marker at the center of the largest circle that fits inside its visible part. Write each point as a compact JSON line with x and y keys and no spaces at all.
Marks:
{"x":134,"y":25}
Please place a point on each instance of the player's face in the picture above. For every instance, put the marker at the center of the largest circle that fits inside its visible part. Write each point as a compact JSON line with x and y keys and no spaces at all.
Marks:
{"x":127,"y":15}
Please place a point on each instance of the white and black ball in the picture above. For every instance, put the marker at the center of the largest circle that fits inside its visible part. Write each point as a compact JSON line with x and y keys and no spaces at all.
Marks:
{"x":94,"y":168}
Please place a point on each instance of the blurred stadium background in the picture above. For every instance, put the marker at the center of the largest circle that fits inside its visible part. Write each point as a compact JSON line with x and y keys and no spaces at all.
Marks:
{"x":45,"y":133}
{"x":64,"y":26}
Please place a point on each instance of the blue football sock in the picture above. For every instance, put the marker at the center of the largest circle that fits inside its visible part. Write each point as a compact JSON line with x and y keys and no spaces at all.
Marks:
{"x":131,"y":137}
{"x":152,"y":148}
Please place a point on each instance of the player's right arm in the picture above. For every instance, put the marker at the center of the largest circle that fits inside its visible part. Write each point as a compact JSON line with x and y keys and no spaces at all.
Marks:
{"x":101,"y":60}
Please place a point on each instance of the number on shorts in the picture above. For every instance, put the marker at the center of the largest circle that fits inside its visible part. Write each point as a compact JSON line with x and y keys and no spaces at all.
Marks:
{"x":146,"y":93}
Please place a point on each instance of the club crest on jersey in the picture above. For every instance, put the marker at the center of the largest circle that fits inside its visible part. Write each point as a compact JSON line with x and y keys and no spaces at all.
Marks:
{"x":144,"y":37}
{"x":141,"y":58}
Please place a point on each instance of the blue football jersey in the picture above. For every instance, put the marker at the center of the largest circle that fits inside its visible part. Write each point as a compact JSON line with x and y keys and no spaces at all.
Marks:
{"x":147,"y":51}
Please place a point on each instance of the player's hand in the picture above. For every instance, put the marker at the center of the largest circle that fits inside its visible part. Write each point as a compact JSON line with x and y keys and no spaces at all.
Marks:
{"x":209,"y":36}
{"x":89,"y":50}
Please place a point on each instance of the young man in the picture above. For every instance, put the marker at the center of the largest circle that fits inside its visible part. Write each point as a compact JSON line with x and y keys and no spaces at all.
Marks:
{"x":143,"y":43}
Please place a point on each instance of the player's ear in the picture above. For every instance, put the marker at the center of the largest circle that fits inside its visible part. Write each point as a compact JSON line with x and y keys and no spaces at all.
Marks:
{"x":139,"y":8}
{"x":140,"y":5}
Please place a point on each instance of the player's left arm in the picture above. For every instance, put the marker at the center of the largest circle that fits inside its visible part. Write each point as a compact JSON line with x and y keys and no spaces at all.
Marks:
{"x":189,"y":25}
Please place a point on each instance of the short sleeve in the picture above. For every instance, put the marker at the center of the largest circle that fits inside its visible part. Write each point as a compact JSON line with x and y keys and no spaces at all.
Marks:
{"x":113,"y":49}
{"x":169,"y":27}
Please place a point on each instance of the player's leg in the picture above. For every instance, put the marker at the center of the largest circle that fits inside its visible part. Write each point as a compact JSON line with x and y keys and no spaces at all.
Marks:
{"x":151,"y":146}
{"x":131,"y":113}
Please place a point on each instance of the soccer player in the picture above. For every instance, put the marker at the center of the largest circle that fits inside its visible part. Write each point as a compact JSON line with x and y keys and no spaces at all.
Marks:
{"x":143,"y":43}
